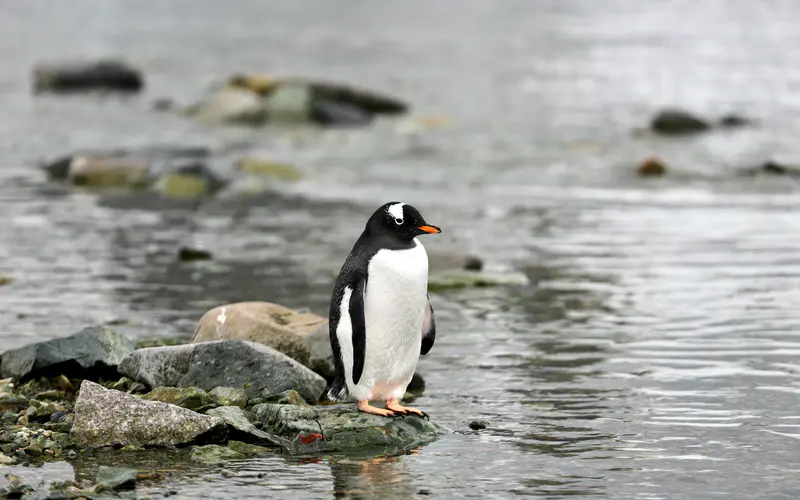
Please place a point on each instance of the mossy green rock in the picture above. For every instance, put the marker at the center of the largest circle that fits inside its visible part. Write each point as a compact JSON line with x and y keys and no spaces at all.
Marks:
{"x":246,"y":448}
{"x":342,"y":427}
{"x":186,"y":397}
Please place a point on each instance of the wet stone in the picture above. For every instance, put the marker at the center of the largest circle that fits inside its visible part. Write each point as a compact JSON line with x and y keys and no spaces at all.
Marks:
{"x":214,"y":454}
{"x":342,"y":427}
{"x":116,"y":478}
{"x":477,"y":425}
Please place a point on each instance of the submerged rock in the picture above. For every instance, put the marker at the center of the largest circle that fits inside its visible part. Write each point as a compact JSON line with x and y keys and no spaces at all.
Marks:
{"x":441,"y":262}
{"x":116,"y":478}
{"x":677,"y":122}
{"x":188,"y":254}
{"x":301,"y":336}
{"x":213,"y":454}
{"x":105,"y":417}
{"x":438,"y":282}
{"x":773,"y":168}
{"x":229,"y":363}
{"x":477,"y":425}
{"x":342,"y":427}
{"x":93,"y":352}
{"x":262,"y":167}
{"x":84,"y":76}
{"x":734,"y":121}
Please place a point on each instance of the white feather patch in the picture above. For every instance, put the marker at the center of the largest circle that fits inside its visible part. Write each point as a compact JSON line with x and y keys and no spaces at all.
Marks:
{"x":396,"y":210}
{"x":344,"y":334}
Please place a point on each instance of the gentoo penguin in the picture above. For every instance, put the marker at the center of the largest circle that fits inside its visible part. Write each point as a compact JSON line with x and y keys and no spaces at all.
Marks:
{"x":381,"y":319}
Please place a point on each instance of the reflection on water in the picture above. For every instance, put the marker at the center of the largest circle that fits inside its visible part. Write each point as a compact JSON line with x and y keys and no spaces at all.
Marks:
{"x":656,"y":355}
{"x":379,"y":477}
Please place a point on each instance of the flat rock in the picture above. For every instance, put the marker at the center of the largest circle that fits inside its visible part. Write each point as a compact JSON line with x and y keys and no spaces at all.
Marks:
{"x":342,"y":427}
{"x":241,"y":427}
{"x":93,"y":352}
{"x":301,"y":336}
{"x":84,"y":76}
{"x":105,"y":417}
{"x":229,"y":363}
{"x":677,"y":122}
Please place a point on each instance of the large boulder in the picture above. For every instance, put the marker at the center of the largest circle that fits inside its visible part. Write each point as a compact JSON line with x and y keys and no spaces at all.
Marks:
{"x":301,"y":336}
{"x":226,"y":363}
{"x":84,"y":76}
{"x":105,"y":417}
{"x":91,"y":353}
{"x":343,"y":428}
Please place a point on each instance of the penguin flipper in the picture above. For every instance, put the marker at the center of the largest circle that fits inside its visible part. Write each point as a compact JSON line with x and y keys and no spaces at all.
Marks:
{"x":428,"y":328}
{"x":359,"y":327}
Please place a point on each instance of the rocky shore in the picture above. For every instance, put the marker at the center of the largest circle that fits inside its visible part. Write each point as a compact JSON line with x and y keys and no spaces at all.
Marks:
{"x":230,"y":394}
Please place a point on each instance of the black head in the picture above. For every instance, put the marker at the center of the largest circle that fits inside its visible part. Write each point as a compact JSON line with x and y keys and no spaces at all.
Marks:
{"x":399,"y":220}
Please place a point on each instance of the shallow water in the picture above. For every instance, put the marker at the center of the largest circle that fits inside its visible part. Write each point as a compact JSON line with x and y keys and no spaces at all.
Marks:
{"x":654,"y":358}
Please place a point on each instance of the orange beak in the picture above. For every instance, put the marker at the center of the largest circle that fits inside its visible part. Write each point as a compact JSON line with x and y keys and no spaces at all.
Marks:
{"x":430,"y":229}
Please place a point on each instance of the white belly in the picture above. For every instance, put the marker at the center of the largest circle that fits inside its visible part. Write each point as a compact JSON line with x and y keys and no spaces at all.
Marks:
{"x":394,"y":311}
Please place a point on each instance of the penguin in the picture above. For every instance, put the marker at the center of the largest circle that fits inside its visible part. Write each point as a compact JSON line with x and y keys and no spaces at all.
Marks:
{"x":381,"y":319}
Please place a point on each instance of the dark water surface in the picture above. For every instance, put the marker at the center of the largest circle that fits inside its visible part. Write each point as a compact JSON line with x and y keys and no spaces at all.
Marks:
{"x":656,"y":357}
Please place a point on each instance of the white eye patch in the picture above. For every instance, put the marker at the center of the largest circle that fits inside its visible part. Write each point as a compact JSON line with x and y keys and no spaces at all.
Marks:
{"x":396,"y":211}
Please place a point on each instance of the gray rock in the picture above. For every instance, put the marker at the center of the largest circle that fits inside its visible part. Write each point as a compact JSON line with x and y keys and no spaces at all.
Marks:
{"x":477,"y":425}
{"x":105,"y":417}
{"x":6,"y":460}
{"x":93,"y":352}
{"x":116,"y":478}
{"x":229,"y":396}
{"x":229,"y":363}
{"x":341,"y":427}
{"x":241,"y":427}
{"x":213,"y":454}
{"x":677,"y":122}
{"x":83,"y":76}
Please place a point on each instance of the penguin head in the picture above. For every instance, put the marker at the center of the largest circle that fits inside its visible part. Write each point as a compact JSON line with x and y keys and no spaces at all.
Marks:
{"x":399,"y":220}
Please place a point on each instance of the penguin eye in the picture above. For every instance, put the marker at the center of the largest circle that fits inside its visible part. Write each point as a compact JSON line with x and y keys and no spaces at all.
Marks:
{"x":398,"y":221}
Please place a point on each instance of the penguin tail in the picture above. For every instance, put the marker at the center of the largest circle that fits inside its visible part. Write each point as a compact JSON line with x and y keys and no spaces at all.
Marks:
{"x":337,"y":391}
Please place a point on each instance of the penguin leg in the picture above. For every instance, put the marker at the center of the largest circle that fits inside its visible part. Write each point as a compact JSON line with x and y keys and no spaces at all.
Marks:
{"x":363,"y":405}
{"x":394,"y":405}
